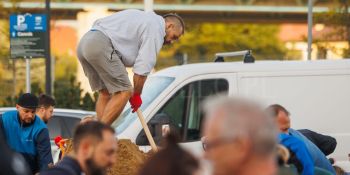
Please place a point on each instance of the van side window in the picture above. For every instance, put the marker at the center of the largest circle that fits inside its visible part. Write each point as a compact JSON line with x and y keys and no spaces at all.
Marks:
{"x":182,"y":113}
{"x":201,"y":90}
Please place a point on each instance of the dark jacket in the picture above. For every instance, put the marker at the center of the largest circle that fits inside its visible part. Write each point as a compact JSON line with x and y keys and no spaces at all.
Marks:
{"x":67,"y":166}
{"x":10,"y":162}
{"x":32,"y":140}
{"x":326,"y":144}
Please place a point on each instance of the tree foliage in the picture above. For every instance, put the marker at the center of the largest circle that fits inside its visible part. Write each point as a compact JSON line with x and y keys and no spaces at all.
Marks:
{"x":69,"y":95}
{"x":202,"y":41}
{"x":65,"y":67}
{"x":338,"y":19}
{"x":7,"y":66}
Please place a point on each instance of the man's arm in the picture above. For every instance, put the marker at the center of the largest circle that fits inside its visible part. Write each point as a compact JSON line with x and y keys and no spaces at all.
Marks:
{"x":43,"y":147}
{"x":139,"y":81}
{"x":298,"y":147}
{"x":135,"y":100}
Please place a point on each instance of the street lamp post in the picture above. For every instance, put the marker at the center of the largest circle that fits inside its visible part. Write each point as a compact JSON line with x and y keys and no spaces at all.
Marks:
{"x":148,"y":5}
{"x":309,"y":30}
{"x":48,"y":85}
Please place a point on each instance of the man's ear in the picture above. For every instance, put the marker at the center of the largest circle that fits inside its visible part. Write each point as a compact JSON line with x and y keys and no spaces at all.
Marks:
{"x":39,"y":110}
{"x":169,"y":25}
{"x":244,"y":146}
{"x":86,"y":147}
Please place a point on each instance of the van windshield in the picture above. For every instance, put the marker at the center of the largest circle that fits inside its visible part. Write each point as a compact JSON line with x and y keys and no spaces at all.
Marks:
{"x":154,"y":85}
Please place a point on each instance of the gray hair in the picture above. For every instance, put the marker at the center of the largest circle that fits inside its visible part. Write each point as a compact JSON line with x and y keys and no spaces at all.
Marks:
{"x":241,"y":118}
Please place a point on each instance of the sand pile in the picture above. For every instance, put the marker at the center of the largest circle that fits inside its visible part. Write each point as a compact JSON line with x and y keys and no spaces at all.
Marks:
{"x":129,"y":158}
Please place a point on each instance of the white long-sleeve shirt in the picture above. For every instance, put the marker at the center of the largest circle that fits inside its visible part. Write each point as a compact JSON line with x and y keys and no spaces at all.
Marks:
{"x":137,"y":35}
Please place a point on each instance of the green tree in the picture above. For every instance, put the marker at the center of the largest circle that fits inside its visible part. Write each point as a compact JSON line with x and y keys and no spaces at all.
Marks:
{"x":202,"y":41}
{"x":10,"y":101}
{"x":88,"y":102}
{"x":67,"y":90}
{"x":65,"y":67}
{"x":67,"y":94}
{"x":7,"y":66}
{"x":338,"y":19}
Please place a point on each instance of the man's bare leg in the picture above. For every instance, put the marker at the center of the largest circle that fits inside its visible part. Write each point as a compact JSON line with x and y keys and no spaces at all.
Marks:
{"x":103,"y":98}
{"x":115,"y":106}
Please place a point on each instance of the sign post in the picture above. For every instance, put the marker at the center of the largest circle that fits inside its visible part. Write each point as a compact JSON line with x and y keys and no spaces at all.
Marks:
{"x":27,"y":39}
{"x":48,"y":82}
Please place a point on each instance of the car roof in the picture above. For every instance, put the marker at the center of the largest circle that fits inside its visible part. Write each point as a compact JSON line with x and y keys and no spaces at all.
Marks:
{"x":60,"y":112}
{"x":229,"y":67}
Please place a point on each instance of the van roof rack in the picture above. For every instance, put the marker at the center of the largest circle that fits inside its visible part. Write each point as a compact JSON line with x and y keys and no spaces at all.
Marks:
{"x":248,"y":57}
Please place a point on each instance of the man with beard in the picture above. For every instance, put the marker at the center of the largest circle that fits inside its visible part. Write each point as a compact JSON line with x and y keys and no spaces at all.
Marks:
{"x":239,"y":138}
{"x":26,"y":134}
{"x":45,"y":108}
{"x":129,"y":38}
{"x":94,"y":150}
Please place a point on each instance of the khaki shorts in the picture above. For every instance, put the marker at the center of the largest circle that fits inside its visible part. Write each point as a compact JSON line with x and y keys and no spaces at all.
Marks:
{"x":102,"y":64}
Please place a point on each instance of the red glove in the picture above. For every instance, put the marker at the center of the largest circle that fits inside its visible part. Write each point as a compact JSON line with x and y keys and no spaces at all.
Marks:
{"x":135,"y":101}
{"x":58,"y":140}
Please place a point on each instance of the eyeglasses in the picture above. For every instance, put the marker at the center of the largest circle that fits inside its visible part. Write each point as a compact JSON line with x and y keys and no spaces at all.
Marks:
{"x":215,"y":143}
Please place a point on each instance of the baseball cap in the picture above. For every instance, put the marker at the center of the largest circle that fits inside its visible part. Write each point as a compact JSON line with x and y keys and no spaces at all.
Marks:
{"x":28,"y":100}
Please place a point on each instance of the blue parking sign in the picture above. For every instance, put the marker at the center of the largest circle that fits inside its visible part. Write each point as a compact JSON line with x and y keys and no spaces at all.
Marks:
{"x":28,"y":22}
{"x":27,"y":35}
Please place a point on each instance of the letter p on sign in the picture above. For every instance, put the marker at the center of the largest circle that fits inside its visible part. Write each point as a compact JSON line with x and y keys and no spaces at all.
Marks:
{"x":20,"y":19}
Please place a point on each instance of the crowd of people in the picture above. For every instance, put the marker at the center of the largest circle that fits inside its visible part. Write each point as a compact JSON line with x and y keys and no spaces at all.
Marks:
{"x":239,"y":137}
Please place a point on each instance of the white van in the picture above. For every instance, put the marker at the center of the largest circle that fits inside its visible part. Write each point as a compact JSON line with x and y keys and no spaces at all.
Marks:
{"x":317,"y":93}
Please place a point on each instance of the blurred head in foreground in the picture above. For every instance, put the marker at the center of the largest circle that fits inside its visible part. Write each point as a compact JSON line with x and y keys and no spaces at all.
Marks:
{"x":171,"y":160}
{"x":239,"y":138}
